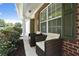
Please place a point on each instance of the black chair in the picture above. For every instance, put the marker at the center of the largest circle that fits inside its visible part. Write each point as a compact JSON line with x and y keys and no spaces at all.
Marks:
{"x":40,"y":37}
{"x":35,"y":38}
{"x":51,"y":46}
{"x":32,"y":39}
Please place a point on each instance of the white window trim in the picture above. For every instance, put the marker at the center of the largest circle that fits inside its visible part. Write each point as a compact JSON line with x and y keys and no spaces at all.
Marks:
{"x":47,"y":20}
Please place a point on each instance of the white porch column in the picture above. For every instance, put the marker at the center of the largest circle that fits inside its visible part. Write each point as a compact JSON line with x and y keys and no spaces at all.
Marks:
{"x":27,"y":27}
{"x":23,"y":33}
{"x":24,"y":29}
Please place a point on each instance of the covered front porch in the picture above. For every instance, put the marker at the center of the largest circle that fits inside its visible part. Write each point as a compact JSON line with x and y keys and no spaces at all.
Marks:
{"x":57,"y":21}
{"x":26,"y":12}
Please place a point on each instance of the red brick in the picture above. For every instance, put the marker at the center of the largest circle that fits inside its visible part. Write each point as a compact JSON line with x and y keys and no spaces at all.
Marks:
{"x":77,"y":40}
{"x":75,"y":53}
{"x":73,"y":48}
{"x":70,"y":45}
{"x":77,"y":43}
{"x":76,"y":46}
{"x":65,"y":46}
{"x":68,"y":49}
{"x":71,"y":54}
{"x":73,"y":41}
{"x":77,"y":20}
{"x":77,"y":13}
{"x":78,"y":50}
{"x":64,"y":43}
{"x":77,"y":33}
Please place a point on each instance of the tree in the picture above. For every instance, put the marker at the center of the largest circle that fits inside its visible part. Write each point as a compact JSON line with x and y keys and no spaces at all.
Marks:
{"x":18,"y":24}
{"x":2,"y":23}
{"x":17,"y":27}
{"x":9,"y":25}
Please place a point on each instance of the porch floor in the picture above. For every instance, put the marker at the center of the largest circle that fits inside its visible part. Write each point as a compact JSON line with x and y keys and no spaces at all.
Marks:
{"x":30,"y":51}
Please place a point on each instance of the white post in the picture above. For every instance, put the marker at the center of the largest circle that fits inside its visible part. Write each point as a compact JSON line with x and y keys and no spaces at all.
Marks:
{"x":27,"y":27}
{"x":24,"y":29}
{"x":24,"y":34}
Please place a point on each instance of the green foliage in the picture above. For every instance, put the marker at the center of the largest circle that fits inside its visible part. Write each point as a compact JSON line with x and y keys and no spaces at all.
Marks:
{"x":14,"y":36}
{"x":2,"y":23}
{"x":17,"y":27}
{"x":9,"y":37}
{"x":9,"y":25}
{"x":17,"y":24}
{"x":8,"y":28}
{"x":4,"y":44}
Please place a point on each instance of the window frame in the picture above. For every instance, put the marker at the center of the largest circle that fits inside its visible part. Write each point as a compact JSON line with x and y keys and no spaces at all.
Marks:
{"x":47,"y":18}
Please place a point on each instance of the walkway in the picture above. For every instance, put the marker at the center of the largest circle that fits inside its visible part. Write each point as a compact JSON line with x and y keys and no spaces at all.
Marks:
{"x":30,"y":51}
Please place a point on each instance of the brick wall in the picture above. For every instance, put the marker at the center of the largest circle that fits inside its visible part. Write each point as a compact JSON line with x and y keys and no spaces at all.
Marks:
{"x":71,"y":47}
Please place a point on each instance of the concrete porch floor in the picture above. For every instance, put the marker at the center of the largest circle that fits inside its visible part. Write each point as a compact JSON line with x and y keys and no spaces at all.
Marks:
{"x":30,"y":51}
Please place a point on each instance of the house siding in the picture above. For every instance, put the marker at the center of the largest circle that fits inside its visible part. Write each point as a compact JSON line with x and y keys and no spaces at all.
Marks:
{"x":69,"y":47}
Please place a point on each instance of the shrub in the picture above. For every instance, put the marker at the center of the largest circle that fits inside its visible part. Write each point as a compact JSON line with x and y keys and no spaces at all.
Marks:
{"x":17,"y":27}
{"x":8,"y":38}
{"x":4,"y":44}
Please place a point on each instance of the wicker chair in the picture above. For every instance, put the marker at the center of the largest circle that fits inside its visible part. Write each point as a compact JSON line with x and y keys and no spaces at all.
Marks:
{"x":34,"y":38}
{"x":51,"y":46}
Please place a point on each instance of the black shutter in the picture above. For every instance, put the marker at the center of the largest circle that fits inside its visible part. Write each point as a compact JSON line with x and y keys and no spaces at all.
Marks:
{"x":69,"y":29}
{"x":32,"y":26}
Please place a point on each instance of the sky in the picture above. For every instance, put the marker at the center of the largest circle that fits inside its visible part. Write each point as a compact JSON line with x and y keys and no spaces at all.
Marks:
{"x":8,"y":12}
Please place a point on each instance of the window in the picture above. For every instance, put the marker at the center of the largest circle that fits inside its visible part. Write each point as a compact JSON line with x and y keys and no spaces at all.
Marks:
{"x":55,"y":26}
{"x":43,"y":27}
{"x":43,"y":15}
{"x":59,"y":18}
{"x":58,"y":9}
{"x":55,"y":18}
{"x":51,"y":18}
{"x":43,"y":19}
{"x":51,"y":11}
{"x":52,"y":26}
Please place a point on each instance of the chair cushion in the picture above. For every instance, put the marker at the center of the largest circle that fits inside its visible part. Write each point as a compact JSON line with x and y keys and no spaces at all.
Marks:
{"x":41,"y":45}
{"x":38,"y":32}
{"x":51,"y":36}
{"x":41,"y":37}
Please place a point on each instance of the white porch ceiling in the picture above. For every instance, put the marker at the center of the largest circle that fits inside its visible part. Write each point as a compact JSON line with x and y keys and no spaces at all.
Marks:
{"x":29,"y":9}
{"x":19,"y":9}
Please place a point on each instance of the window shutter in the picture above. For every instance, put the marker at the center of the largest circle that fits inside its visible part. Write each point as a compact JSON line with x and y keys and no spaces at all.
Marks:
{"x":68,"y":15}
{"x":32,"y":26}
